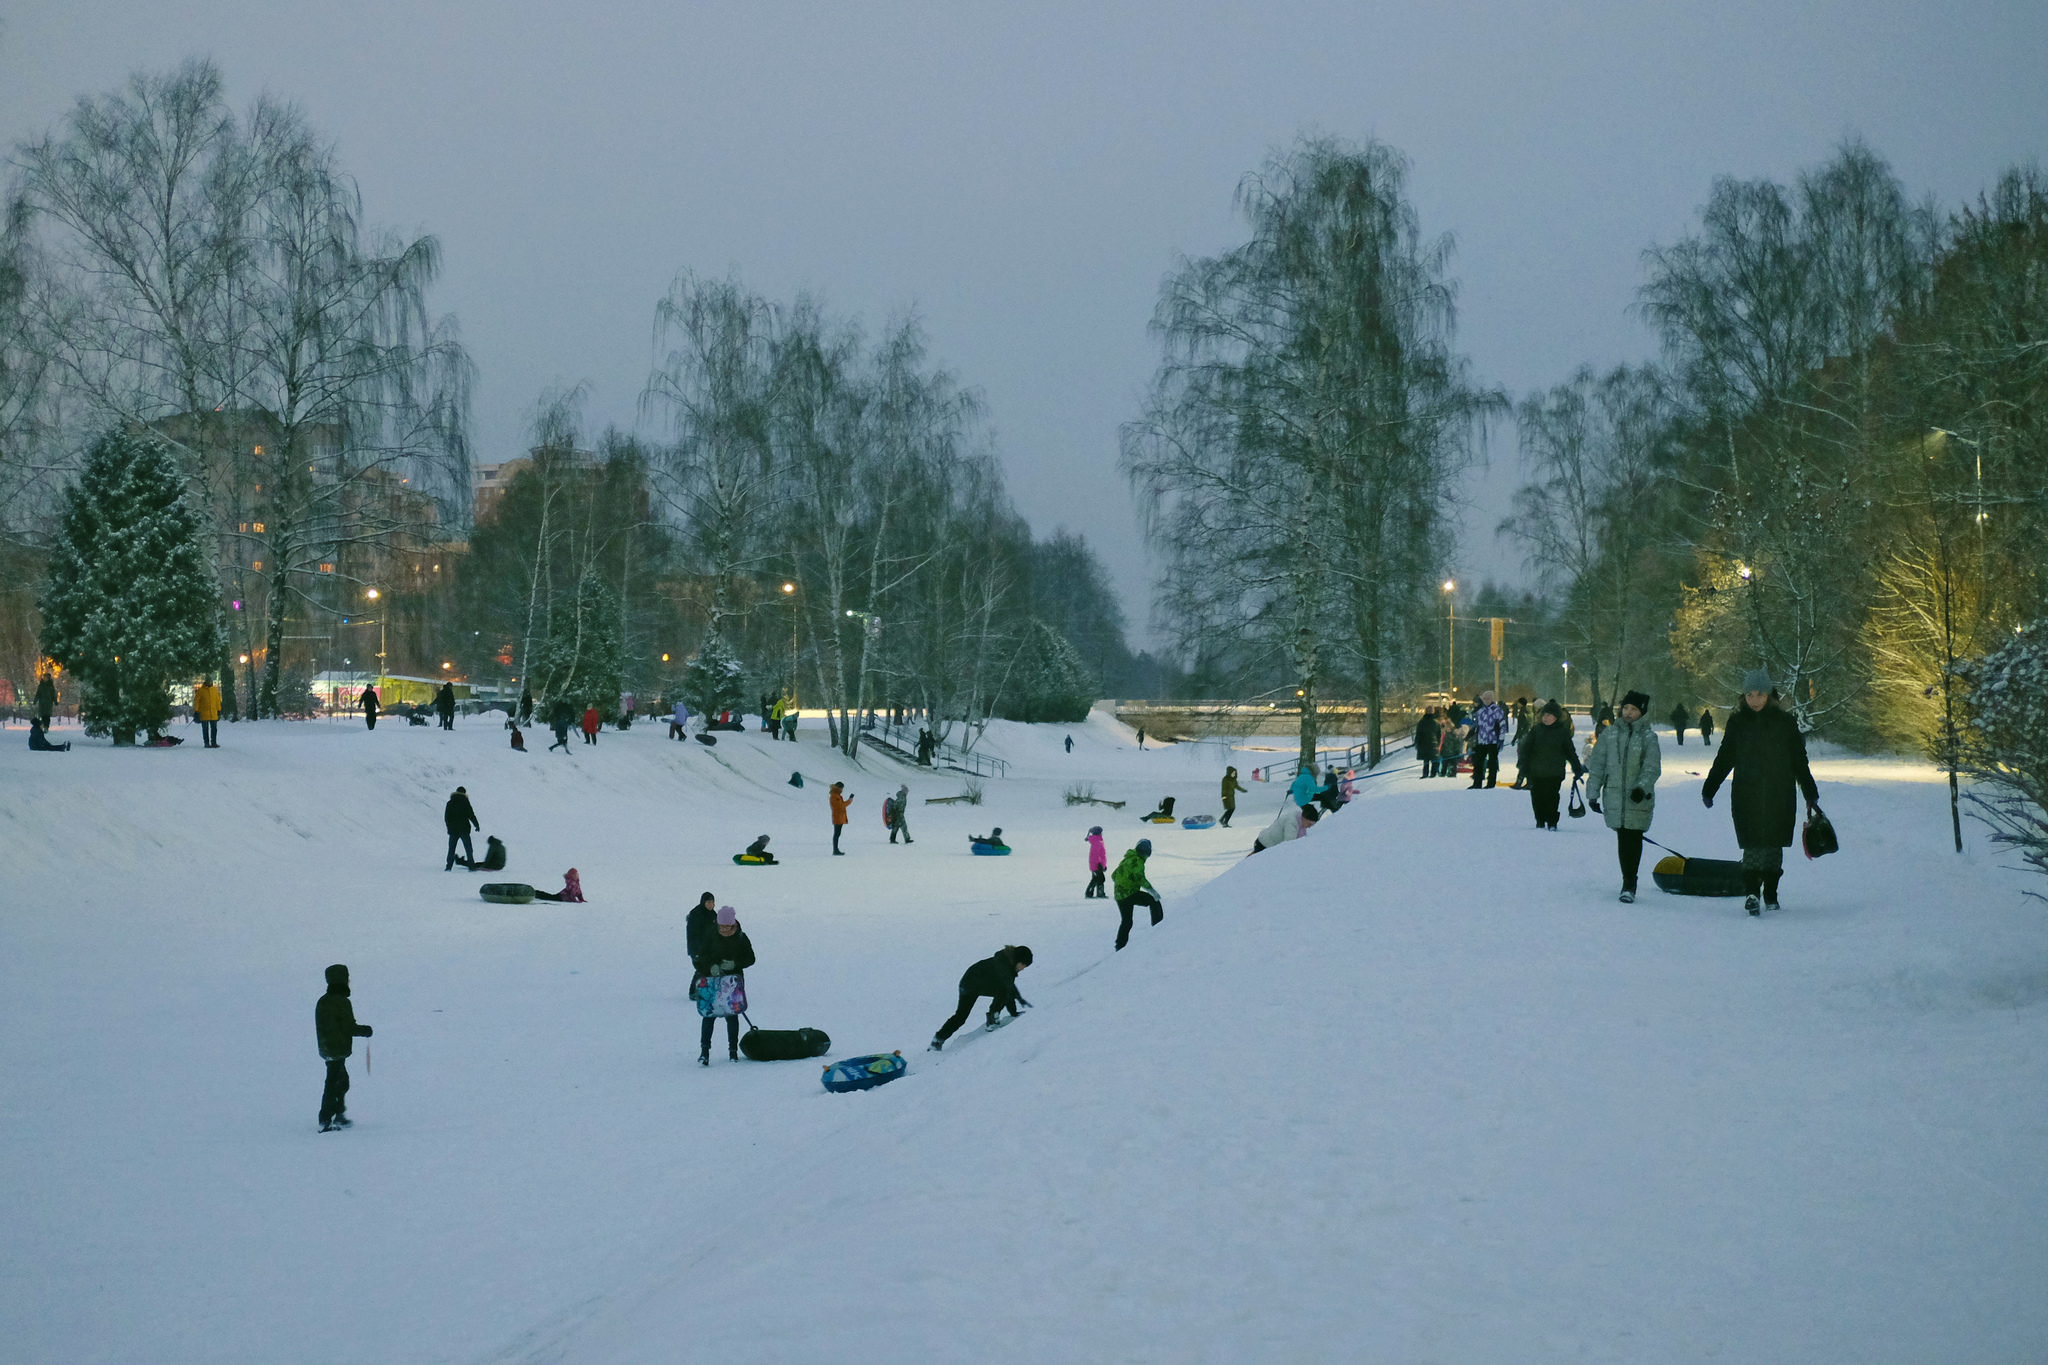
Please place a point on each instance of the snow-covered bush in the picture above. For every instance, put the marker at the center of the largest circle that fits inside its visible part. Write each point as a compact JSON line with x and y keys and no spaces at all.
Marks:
{"x":715,"y":680}
{"x":132,"y":604}
{"x":2006,"y":748}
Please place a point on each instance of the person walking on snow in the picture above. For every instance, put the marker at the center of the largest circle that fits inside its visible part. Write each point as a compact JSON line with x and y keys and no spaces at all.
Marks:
{"x":526,"y":706}
{"x":368,"y":701}
{"x":1070,"y":744}
{"x":679,"y":720}
{"x":336,"y":1030}
{"x":1621,"y":783}
{"x":1764,"y":750}
{"x":591,"y":722}
{"x":1098,"y":865}
{"x":1231,"y":788}
{"x":460,"y":818}
{"x":839,"y":804}
{"x":730,"y":954}
{"x":560,"y":716}
{"x":1547,"y":753}
{"x":1679,"y":718}
{"x":1133,"y":889}
{"x":994,"y":976}
{"x":1489,"y":728}
{"x":46,"y":700}
{"x":206,"y":710}
{"x":1706,"y":727}
{"x":899,"y":815}
{"x":444,"y":705}
{"x":1141,"y":739}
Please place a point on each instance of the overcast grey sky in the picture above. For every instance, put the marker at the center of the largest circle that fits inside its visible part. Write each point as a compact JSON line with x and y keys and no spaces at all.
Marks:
{"x":1025,"y":174}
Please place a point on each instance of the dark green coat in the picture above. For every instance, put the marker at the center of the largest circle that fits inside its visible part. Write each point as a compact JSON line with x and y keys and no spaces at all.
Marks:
{"x":1767,"y":754}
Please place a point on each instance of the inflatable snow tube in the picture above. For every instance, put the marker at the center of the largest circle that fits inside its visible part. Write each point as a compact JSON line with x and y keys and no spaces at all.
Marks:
{"x":1156,"y":819}
{"x":1698,"y":876}
{"x":990,"y":850}
{"x":506,"y":893}
{"x":1199,"y":822}
{"x":784,"y":1044}
{"x":864,"y":1073}
{"x":707,"y":739}
{"x":749,"y":860}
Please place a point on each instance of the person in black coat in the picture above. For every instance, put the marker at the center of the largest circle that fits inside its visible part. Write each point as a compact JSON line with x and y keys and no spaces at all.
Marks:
{"x":368,"y":701}
{"x":526,"y":706}
{"x":494,"y":856}
{"x":1706,"y":727}
{"x":560,"y":717}
{"x":336,"y":1029}
{"x":730,"y":954}
{"x":1427,"y":732}
{"x":460,"y":818}
{"x":995,"y":977}
{"x":39,"y":738}
{"x":444,"y":704}
{"x":1547,"y":753}
{"x":1763,"y":748}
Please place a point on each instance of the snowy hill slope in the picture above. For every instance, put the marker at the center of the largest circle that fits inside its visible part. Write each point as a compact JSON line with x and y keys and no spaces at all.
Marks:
{"x":1413,"y":1089}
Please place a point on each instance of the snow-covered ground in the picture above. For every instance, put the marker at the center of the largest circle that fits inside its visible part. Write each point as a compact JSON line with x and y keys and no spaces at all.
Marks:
{"x":1414,"y":1089}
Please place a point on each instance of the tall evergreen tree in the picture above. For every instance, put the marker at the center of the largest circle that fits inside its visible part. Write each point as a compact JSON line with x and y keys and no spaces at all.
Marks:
{"x":583,"y":657}
{"x":715,"y":681}
{"x":131,"y":604}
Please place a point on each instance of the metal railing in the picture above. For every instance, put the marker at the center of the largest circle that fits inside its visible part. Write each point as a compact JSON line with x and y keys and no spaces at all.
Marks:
{"x":900,"y":741}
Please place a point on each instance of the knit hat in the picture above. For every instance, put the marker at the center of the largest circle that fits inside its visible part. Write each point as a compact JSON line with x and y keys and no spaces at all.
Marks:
{"x":1551,"y":708}
{"x":1756,"y":680}
{"x":728,"y":915}
{"x":1639,"y":700}
{"x":337,"y":977}
{"x":1144,"y":848}
{"x":1020,"y":955}
{"x":1095,"y":830}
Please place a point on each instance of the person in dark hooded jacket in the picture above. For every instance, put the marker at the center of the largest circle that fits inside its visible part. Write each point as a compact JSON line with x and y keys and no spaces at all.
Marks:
{"x":1427,"y":731}
{"x":1763,"y":748}
{"x":460,"y":818}
{"x":444,"y":705}
{"x":1547,"y":753}
{"x":336,"y":1030}
{"x":994,"y":976}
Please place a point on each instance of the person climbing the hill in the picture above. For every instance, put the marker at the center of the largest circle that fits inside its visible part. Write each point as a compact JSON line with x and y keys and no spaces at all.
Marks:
{"x":926,"y":747}
{"x":679,"y":720}
{"x":336,"y":1030}
{"x":572,"y":890}
{"x":560,"y":716}
{"x":1331,"y":796}
{"x":1070,"y":744}
{"x":1679,"y":720}
{"x":1098,"y":866}
{"x":444,"y":705}
{"x":1621,"y":784}
{"x":1546,"y":754}
{"x":1231,"y":788}
{"x":1764,"y":750}
{"x":994,"y":976}
{"x":592,"y":722}
{"x":721,"y":984}
{"x":1141,"y":739}
{"x":841,"y":799}
{"x":899,"y":814}
{"x":460,"y":818}
{"x":759,"y":849}
{"x":1133,"y":889}
{"x":1291,"y":823}
{"x":367,"y":699}
{"x":1706,"y":727}
{"x":1489,"y":728}
{"x":1302,"y":790}
{"x":206,"y":710}
{"x":39,"y":738}
{"x":1428,"y":731}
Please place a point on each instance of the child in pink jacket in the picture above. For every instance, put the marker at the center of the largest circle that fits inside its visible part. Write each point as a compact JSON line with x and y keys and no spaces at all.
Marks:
{"x":1098,"y":864}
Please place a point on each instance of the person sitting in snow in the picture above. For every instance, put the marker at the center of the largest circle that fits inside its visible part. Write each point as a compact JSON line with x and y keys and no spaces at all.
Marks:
{"x":994,"y":976}
{"x":1164,"y":813}
{"x":493,"y":859}
{"x":993,"y":839}
{"x":39,"y":739}
{"x":759,"y":849}
{"x":572,"y":890}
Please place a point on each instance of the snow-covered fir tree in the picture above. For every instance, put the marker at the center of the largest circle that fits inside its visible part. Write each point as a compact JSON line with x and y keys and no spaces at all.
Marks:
{"x":715,"y":680}
{"x":132,"y":604}
{"x":2006,"y":749}
{"x":1049,"y":681}
{"x":582,"y":659}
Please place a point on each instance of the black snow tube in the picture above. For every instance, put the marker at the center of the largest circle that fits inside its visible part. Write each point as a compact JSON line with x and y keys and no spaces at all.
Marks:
{"x":1698,"y":876}
{"x":784,"y":1044}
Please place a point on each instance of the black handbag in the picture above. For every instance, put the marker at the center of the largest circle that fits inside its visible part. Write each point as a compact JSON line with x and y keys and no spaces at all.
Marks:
{"x":1577,"y":808}
{"x":1817,"y":835}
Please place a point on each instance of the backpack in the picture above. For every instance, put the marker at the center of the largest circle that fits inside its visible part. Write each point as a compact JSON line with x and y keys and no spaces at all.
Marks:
{"x":699,"y":930}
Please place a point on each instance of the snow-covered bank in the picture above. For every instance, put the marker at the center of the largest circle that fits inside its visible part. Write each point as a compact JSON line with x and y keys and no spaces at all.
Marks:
{"x":1415,"y":1088}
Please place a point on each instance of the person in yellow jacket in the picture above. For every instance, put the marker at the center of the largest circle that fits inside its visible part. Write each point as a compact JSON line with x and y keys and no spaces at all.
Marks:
{"x":206,"y":710}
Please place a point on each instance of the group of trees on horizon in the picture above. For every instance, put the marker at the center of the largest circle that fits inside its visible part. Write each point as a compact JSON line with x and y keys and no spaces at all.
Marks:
{"x":1833,"y":469}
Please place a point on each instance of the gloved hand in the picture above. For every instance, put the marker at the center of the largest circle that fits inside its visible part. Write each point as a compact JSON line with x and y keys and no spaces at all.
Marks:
{"x":1636,"y":794}
{"x":364,"y":1030}
{"x":1706,"y":798}
{"x":1595,"y":807}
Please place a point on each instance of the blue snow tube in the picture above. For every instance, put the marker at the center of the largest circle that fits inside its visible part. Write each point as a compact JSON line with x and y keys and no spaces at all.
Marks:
{"x":864,"y":1073}
{"x":1198,"y":822}
{"x":991,"y":850}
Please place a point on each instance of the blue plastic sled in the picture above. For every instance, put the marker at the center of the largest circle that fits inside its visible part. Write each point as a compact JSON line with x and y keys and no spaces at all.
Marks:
{"x":1199,"y":822}
{"x":864,"y":1073}
{"x":991,"y":850}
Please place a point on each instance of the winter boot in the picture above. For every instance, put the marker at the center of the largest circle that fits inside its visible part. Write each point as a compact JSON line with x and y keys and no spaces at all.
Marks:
{"x":341,"y":1121}
{"x":1750,"y":903}
{"x":1628,"y":895}
{"x":732,"y":1054}
{"x":704,"y":1057}
{"x":936,"y":1046}
{"x":1771,"y":890}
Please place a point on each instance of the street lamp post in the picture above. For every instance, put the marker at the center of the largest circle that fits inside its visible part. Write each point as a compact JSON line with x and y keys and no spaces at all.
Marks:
{"x":1451,"y":635}
{"x":789,"y":595}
